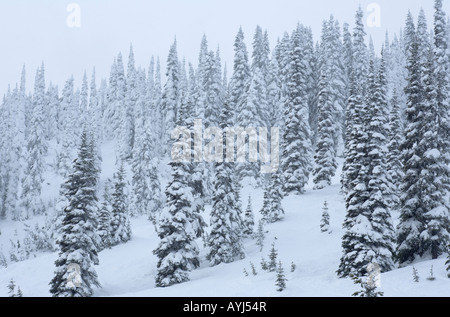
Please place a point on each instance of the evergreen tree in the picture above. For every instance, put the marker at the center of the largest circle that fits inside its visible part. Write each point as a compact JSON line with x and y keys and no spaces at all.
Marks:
{"x":281,"y":278}
{"x":296,"y":160}
{"x":423,"y":228}
{"x":415,"y":275}
{"x":411,"y":217}
{"x":120,"y":223}
{"x":11,"y":288}
{"x":177,"y":252}
{"x":225,"y":239}
{"x":241,"y":75}
{"x":66,"y":127}
{"x":355,"y":105}
{"x":170,"y":94}
{"x":325,"y":156}
{"x":325,"y":221}
{"x":272,"y":265}
{"x":260,"y":235}
{"x":394,"y":164}
{"x":369,"y":235}
{"x":249,"y":219}
{"x":78,"y":241}
{"x":273,"y":210}
{"x":36,"y":150}
{"x":104,"y":228}
{"x":379,"y":183}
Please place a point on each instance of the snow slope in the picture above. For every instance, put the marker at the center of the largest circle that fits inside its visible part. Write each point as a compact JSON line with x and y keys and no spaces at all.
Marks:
{"x":129,"y":270}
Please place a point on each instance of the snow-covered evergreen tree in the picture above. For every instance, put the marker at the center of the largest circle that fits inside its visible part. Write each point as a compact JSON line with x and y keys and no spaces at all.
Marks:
{"x":225,"y":238}
{"x":273,"y":210}
{"x":120,"y":222}
{"x":36,"y":150}
{"x":296,"y":160}
{"x":78,"y":241}
{"x":104,"y":228}
{"x":177,"y":225}
{"x":170,"y":95}
{"x":424,"y":223}
{"x":394,"y":164}
{"x":281,"y":278}
{"x":325,"y":221}
{"x":249,"y":219}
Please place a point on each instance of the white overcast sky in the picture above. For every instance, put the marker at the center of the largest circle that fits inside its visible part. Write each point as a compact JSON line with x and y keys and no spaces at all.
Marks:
{"x":33,"y":31}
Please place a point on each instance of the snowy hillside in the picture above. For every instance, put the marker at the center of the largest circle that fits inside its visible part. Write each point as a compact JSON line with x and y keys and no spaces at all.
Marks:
{"x":129,"y":269}
{"x":312,"y":169}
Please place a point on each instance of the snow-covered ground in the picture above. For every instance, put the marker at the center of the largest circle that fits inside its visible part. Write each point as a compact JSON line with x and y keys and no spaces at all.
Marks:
{"x":129,"y":269}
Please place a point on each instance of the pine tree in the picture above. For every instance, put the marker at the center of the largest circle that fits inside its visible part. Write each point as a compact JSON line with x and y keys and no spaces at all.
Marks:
{"x":36,"y":150}
{"x":394,"y":164}
{"x":11,"y":288}
{"x":325,"y":157}
{"x":104,"y":228}
{"x":423,"y":227}
{"x":78,"y":241}
{"x":170,"y":95}
{"x":281,"y":278}
{"x":241,"y":74}
{"x":249,"y":219}
{"x":415,"y":275}
{"x":296,"y":160}
{"x":379,"y":184}
{"x":272,"y":209}
{"x":369,"y":235}
{"x":225,"y":239}
{"x":66,"y":138}
{"x":355,"y":105}
{"x":272,"y":265}
{"x":120,"y":223}
{"x":325,"y":221}
{"x":177,"y":252}
{"x":260,"y":235}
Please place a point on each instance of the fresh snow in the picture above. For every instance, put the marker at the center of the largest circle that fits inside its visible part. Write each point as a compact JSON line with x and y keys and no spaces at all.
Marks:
{"x":129,"y":269}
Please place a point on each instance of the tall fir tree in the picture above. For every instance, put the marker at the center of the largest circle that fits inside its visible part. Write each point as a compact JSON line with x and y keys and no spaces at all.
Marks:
{"x":296,"y":161}
{"x":36,"y":150}
{"x":120,"y":222}
{"x":249,"y":219}
{"x":177,"y":252}
{"x":79,"y":240}
{"x":225,"y":239}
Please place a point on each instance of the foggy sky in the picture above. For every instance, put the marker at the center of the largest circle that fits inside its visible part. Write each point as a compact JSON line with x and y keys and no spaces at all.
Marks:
{"x":33,"y":31}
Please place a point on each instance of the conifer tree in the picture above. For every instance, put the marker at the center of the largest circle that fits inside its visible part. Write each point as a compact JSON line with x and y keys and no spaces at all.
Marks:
{"x":225,"y":239}
{"x":120,"y":223}
{"x":423,"y":227}
{"x":272,"y":265}
{"x":296,"y":160}
{"x":104,"y":228}
{"x":281,"y":278}
{"x":273,"y":210}
{"x":36,"y":150}
{"x":249,"y":219}
{"x":260,"y":235}
{"x":325,"y":221}
{"x":78,"y":240}
{"x":394,"y":164}
{"x":177,"y":252}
